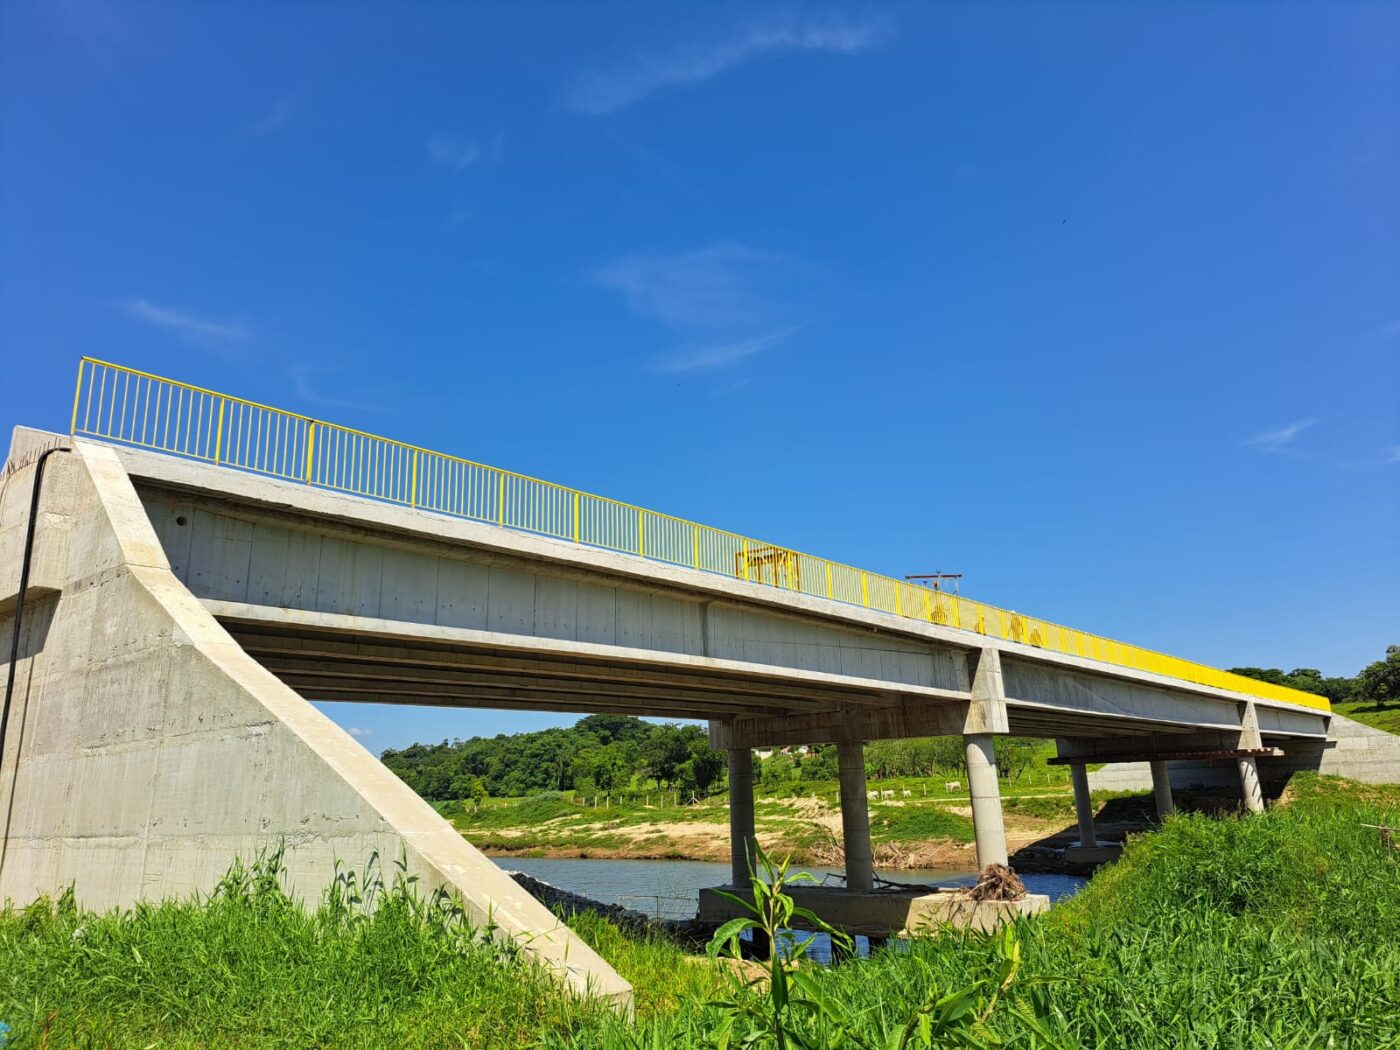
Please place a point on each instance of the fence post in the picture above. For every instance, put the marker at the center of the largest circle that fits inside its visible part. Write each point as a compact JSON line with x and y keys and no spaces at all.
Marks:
{"x":577,"y":530}
{"x":413,"y":492}
{"x":641,"y":533}
{"x":829,"y":592}
{"x":219,"y":433}
{"x":865,"y":590}
{"x":501,"y":500}
{"x":310,"y":446}
{"x":696,"y":530}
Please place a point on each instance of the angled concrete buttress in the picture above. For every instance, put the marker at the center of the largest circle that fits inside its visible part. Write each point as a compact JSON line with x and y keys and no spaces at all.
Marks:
{"x":146,"y":749}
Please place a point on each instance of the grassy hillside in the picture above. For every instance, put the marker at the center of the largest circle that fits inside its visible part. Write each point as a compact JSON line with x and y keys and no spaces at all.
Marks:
{"x":1278,"y":930}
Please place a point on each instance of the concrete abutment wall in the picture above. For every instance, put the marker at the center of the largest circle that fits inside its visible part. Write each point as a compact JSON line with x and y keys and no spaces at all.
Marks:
{"x":145,"y":749}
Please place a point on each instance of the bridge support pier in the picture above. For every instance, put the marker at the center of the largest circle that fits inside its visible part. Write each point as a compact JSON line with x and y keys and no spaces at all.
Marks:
{"x":1162,"y":790}
{"x":741,"y":818}
{"x":987,"y":823}
{"x":1083,"y":805}
{"x":855,"y":816}
{"x":1250,"y":785}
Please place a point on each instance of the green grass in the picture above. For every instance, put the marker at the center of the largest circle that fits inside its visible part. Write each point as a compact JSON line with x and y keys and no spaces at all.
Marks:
{"x":910,"y":823}
{"x":249,"y":967}
{"x":1276,"y":930}
{"x":1387,"y":718}
{"x":1279,"y":930}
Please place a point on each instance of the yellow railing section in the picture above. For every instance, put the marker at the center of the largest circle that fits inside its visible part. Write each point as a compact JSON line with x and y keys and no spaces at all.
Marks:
{"x":135,"y":408}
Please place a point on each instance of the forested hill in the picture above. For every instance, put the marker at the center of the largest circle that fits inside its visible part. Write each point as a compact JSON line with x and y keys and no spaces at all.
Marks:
{"x":598,"y":753}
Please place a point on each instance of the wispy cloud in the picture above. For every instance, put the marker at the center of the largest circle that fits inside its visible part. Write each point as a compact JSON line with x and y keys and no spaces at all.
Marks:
{"x":1390,"y":455}
{"x":601,"y":91}
{"x":301,"y":381}
{"x":202,"y":331}
{"x":458,"y":154}
{"x":1389,"y":330}
{"x":282,"y":113}
{"x":707,"y":358}
{"x":1280,"y":439}
{"x":711,"y":287}
{"x":359,"y":733}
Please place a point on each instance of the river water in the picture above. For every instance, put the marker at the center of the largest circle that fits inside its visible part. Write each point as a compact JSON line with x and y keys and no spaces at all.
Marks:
{"x":669,"y":888}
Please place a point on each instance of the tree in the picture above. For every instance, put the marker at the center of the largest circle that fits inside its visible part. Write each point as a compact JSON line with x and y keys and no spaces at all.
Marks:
{"x":1379,"y":683}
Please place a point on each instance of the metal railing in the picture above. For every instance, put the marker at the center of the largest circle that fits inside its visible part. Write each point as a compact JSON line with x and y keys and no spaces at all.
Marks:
{"x":136,"y":408}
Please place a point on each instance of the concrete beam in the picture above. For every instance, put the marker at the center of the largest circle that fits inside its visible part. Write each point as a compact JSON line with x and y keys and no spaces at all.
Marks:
{"x":899,"y":721}
{"x":855,"y":817}
{"x":408,"y":527}
{"x":1162,"y":790}
{"x":986,"y":713}
{"x":1083,"y":805}
{"x":987,"y":822}
{"x":742,"y":835}
{"x":1250,"y":787}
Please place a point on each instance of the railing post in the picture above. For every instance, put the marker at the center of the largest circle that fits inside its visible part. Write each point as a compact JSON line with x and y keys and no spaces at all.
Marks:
{"x":746,"y":560}
{"x":310,"y":446}
{"x":641,"y":534}
{"x":77,"y":396}
{"x":577,"y":529}
{"x":829,"y":592}
{"x":413,"y":494}
{"x":219,"y":433}
{"x":865,"y":590}
{"x":695,"y":529}
{"x":501,"y":500}
{"x":898,"y":599}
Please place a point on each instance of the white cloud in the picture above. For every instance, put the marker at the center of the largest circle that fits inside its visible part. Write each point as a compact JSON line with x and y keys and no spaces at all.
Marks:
{"x":1280,"y":439}
{"x":704,"y":359}
{"x":360,"y":734}
{"x":601,"y":91}
{"x":458,"y":154}
{"x":712,"y":287}
{"x":191,"y":326}
{"x":1389,"y":330}
{"x":276,"y":118}
{"x":301,"y":380}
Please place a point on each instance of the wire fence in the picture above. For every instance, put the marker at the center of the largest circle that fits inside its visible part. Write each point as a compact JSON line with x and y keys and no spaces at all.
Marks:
{"x":124,"y":405}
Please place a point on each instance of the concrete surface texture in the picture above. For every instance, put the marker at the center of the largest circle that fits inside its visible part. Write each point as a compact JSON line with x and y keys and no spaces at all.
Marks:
{"x":180,"y":616}
{"x":146,"y":749}
{"x":1350,"y":749}
{"x":297,"y":572}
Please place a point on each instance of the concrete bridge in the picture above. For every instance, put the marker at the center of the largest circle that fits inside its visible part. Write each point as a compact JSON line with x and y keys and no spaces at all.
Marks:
{"x":178,"y":615}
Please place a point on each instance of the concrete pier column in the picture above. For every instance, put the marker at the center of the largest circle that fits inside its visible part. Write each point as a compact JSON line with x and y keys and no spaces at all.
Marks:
{"x":1249,"y":782}
{"x":1083,"y":805}
{"x":1162,"y":790}
{"x":987,"y":821}
{"x":855,"y":817}
{"x":741,"y":823}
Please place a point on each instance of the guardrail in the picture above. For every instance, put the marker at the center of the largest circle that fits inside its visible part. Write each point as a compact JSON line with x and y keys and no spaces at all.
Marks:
{"x":124,"y":405}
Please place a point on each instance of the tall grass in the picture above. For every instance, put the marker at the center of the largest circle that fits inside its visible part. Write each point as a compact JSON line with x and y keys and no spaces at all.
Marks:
{"x":1280,"y":930}
{"x":372,"y":966}
{"x":1277,"y":930}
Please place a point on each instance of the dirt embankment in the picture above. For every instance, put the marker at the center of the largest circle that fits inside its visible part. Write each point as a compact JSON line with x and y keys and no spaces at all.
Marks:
{"x":807,"y":831}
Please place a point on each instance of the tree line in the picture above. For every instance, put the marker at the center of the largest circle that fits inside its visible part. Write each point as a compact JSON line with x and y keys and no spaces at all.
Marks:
{"x":1377,"y":683}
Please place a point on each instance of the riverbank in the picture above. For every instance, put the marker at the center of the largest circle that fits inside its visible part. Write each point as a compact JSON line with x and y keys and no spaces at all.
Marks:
{"x":1279,"y":929}
{"x":908,"y":830}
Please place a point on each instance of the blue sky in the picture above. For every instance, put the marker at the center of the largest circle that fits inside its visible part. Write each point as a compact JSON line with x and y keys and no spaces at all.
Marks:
{"x":1096,"y":304}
